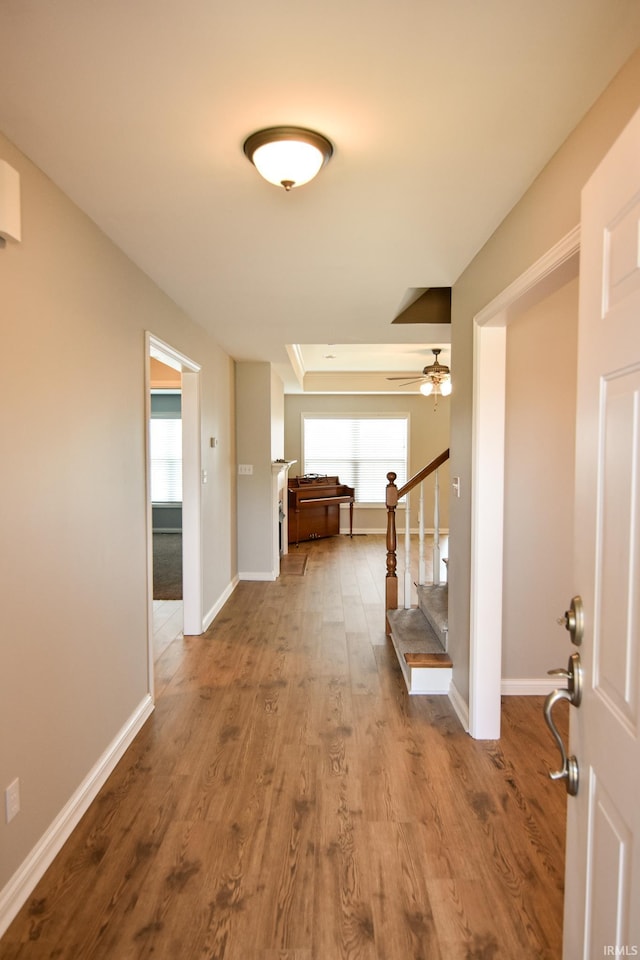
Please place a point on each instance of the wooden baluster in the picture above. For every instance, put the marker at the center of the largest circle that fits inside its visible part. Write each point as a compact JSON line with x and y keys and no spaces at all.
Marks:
{"x":422,"y":575}
{"x":391,"y":582}
{"x":407,"y":554}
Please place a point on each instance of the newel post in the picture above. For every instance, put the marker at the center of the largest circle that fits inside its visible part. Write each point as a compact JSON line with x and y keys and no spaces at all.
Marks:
{"x":391,"y":583}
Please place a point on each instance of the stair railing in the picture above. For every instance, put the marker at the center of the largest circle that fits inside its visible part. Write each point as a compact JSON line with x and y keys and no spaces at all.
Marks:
{"x":393,"y":495}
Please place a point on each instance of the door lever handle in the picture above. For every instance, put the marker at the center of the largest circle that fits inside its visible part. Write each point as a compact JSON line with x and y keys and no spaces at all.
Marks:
{"x":573,"y":694}
{"x":569,"y":769}
{"x":573,"y":676}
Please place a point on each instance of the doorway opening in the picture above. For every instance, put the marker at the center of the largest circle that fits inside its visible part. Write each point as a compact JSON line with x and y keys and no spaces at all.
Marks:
{"x":543,"y":279}
{"x":173,"y":490}
{"x":165,"y":457}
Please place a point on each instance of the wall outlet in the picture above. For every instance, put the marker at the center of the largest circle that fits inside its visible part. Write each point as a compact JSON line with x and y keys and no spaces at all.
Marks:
{"x":12,"y":800}
{"x":245,"y":469}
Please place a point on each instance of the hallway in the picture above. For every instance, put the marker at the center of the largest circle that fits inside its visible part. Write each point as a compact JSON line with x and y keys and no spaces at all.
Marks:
{"x":288,"y":801}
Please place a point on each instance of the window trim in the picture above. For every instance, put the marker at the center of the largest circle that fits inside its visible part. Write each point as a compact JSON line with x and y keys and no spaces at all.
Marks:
{"x":356,"y":415}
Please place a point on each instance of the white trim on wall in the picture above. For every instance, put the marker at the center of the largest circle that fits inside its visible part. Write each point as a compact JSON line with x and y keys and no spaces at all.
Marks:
{"x":16,"y":892}
{"x":257,"y":575}
{"x":210,"y":616}
{"x":532,"y":687}
{"x":487,"y":504}
{"x":429,"y":531}
{"x":549,"y":273}
{"x":460,"y":706}
{"x":191,"y":484}
{"x":191,"y":502}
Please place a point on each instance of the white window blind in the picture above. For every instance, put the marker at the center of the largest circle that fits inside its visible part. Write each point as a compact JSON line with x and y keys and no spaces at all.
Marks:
{"x":165,"y":438}
{"x":360,"y":450}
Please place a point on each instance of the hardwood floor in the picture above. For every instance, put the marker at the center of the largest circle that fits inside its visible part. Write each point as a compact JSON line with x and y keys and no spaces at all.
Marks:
{"x":289,"y":801}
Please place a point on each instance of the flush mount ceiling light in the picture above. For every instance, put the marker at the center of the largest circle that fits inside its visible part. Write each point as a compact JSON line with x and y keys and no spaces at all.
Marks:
{"x":288,"y":156}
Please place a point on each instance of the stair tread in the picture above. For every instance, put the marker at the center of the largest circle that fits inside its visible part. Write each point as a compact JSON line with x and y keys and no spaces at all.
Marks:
{"x":432,"y":660}
{"x":425,"y":664}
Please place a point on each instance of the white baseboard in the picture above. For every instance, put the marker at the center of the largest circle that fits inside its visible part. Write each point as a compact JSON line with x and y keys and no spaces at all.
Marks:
{"x":219,"y":604}
{"x":529,"y":687}
{"x":399,"y":531}
{"x":509,"y":688}
{"x":257,"y":575}
{"x":460,"y":706}
{"x":363,"y":532}
{"x":16,"y":892}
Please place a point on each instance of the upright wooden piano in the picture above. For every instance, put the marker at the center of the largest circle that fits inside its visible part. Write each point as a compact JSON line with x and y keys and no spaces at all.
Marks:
{"x":314,"y":507}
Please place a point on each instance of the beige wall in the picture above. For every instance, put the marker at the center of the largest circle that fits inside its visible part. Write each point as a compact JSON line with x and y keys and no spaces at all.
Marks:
{"x":277,"y":416}
{"x":74,"y":629}
{"x":259,"y":429}
{"x":538,"y":496}
{"x":548,"y":211}
{"x":428,"y":436}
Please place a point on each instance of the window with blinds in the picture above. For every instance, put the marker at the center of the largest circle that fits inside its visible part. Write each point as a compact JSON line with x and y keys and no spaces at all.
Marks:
{"x":360,"y":450}
{"x":165,"y":442}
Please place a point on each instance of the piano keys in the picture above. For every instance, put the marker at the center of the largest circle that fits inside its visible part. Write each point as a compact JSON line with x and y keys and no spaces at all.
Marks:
{"x":314,"y":507}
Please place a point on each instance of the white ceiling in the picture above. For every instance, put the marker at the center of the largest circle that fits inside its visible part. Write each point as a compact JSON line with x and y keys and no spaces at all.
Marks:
{"x":442,"y":112}
{"x":385,"y":357}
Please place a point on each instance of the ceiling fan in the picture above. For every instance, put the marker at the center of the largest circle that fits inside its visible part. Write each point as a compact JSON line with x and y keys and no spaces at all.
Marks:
{"x":436,"y":377}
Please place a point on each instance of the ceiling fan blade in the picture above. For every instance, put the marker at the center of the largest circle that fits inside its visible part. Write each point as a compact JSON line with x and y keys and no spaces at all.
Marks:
{"x":406,"y":382}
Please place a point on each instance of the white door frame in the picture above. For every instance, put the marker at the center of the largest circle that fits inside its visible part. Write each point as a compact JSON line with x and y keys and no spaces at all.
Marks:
{"x":191,"y":489}
{"x":548,"y":274}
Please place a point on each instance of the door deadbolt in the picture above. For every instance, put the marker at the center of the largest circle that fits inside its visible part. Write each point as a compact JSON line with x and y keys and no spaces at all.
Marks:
{"x":573,"y":620}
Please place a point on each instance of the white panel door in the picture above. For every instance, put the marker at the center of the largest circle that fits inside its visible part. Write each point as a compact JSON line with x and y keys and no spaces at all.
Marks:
{"x":602,"y":899}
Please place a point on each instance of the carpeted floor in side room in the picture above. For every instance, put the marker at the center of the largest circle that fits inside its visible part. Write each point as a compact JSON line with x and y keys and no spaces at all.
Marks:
{"x":167,"y":566}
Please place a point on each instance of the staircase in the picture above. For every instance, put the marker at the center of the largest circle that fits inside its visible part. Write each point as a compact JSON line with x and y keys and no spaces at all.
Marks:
{"x":419,"y":636}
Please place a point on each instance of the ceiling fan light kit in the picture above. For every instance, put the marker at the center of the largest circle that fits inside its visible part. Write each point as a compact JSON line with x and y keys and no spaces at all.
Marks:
{"x":436,"y":377}
{"x":288,"y":156}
